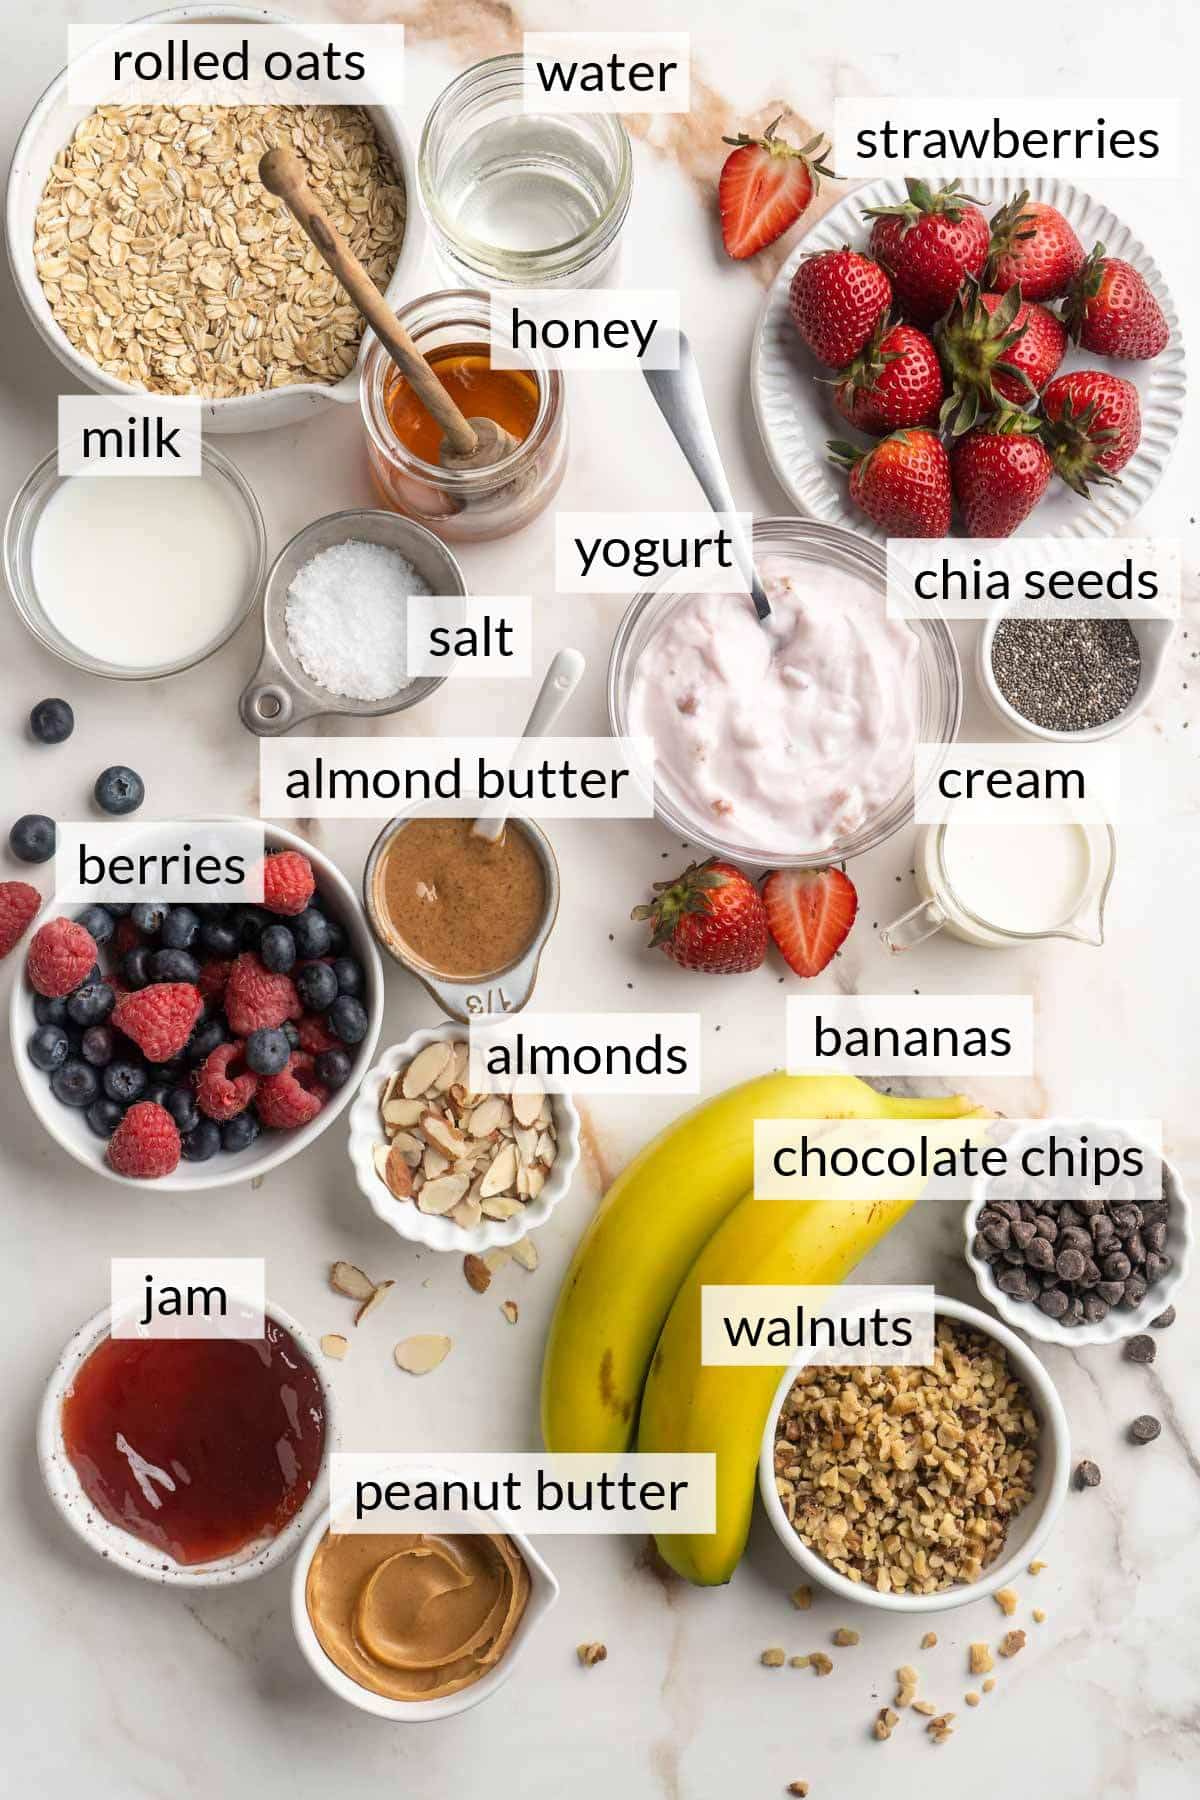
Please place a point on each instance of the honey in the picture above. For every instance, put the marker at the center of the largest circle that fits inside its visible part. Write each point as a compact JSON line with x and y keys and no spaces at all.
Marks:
{"x":509,"y":397}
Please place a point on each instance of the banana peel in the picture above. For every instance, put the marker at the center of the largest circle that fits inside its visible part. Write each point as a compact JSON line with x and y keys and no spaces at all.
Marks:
{"x":647,"y":1232}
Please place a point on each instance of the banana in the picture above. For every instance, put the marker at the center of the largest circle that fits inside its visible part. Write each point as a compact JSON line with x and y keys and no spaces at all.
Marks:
{"x":648,"y":1230}
{"x":689,"y":1407}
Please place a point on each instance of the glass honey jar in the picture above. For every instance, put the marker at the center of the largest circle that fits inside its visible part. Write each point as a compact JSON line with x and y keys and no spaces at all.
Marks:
{"x":452,"y":330}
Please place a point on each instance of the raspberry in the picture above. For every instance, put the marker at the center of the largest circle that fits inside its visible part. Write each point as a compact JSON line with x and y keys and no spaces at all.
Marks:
{"x":159,"y":1019}
{"x":226,"y":1087}
{"x":288,"y":882}
{"x":213,"y":979}
{"x":145,"y":1144}
{"x":60,"y":956}
{"x":291,"y":1099}
{"x":19,"y":904}
{"x":315,"y":1037}
{"x":256,"y":1000}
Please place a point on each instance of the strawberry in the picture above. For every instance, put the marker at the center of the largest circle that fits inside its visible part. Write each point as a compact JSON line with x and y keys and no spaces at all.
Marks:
{"x":903,"y":482}
{"x":809,"y":914}
{"x":1093,"y":425}
{"x":766,"y":184}
{"x":709,"y":918}
{"x":927,"y":244}
{"x":836,"y":299}
{"x":1111,"y":310}
{"x":1032,"y":244}
{"x":896,"y":381}
{"x":995,"y":347}
{"x":1000,"y":471}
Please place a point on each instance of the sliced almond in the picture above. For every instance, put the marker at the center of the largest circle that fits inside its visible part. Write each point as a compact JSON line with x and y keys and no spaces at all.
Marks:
{"x":462,"y":1060}
{"x":412,"y":1147}
{"x":418,"y":1355}
{"x":525,"y":1252}
{"x":379,"y":1156}
{"x":397,"y":1174}
{"x":401,"y":1113}
{"x":345,"y":1278}
{"x":496,"y":1259}
{"x":545,"y":1118}
{"x":391,"y":1083}
{"x":502,"y":1172}
{"x":442,"y":1194}
{"x":467,"y":1213}
{"x":526,"y":1141}
{"x":501,"y":1206}
{"x":335,"y":1345}
{"x":547,"y":1149}
{"x":439,"y":1131}
{"x":522,"y":1182}
{"x":375,"y":1299}
{"x":535,"y":1181}
{"x":487,"y":1116}
{"x":527,"y":1105}
{"x":447,"y":1077}
{"x":433,"y":1162}
{"x":425,"y":1068}
{"x":478,"y":1275}
{"x":511,"y":1311}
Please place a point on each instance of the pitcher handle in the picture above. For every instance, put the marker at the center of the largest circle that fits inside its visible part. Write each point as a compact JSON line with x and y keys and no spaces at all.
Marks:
{"x":914,"y":926}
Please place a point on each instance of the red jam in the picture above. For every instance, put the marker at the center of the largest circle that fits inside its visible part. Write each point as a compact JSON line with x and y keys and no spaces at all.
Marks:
{"x":198,"y":1446}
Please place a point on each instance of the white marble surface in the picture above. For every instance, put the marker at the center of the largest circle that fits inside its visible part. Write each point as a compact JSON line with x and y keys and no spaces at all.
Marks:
{"x":122,"y":1691}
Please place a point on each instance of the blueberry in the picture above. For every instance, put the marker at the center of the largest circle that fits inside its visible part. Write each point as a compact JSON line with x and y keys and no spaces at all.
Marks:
{"x":332,"y":1068}
{"x":337,"y":938}
{"x":49,"y":1012}
{"x":120,"y":909}
{"x":148,"y":916}
{"x":317,"y":986}
{"x":74,"y":1083}
{"x":349,"y":976}
{"x":240,"y":1132}
{"x":124,"y":1081}
{"x":347,"y":1019}
{"x":174,"y":965}
{"x":204,"y":1039}
{"x":98,"y":921}
{"x":168,"y":1074}
{"x":291,"y":1034}
{"x":181,"y":1104}
{"x":157,"y":1092}
{"x":91,"y":1004}
{"x":311,"y":932}
{"x":97,"y":1045}
{"x":103,"y":1116}
{"x":136,"y":966}
{"x":51,"y":721}
{"x":277,"y":949}
{"x":93,"y":978}
{"x":48,"y":1048}
{"x":181,"y":927}
{"x":202,"y":1141}
{"x":32,"y":838}
{"x":267,"y":1052}
{"x":251,"y":922}
{"x":219,"y":937}
{"x":119,"y":790}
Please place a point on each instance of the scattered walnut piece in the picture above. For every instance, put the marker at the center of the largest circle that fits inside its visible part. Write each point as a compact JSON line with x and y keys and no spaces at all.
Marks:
{"x":591,"y":1654}
{"x":885,"y":1722}
{"x":972,"y":1698}
{"x":1039,"y":1617}
{"x":773,"y":1658}
{"x":1012,"y":1642}
{"x":479,"y":1276}
{"x":926,"y":1708}
{"x":800,"y":1662}
{"x":335,"y":1345}
{"x":1035,"y":1568}
{"x":802,"y":1597}
{"x":844,"y":1636}
{"x":799,"y":1788}
{"x":929,"y":1640}
{"x":980,"y":1659}
{"x":906,"y":1693}
{"x":989,"y":1685}
{"x":511,"y":1311}
{"x":821,"y":1664}
{"x":940,"y":1728}
{"x":1006,"y":1600}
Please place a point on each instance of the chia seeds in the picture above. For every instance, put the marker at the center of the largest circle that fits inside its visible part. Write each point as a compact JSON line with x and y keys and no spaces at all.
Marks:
{"x":1067,"y":674}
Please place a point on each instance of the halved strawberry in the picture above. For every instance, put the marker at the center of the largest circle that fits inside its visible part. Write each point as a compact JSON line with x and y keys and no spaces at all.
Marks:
{"x":809,"y":914}
{"x":766,"y":184}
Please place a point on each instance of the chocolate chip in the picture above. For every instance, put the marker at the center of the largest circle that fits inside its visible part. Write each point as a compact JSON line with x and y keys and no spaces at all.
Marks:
{"x":1087,"y":1475}
{"x":1069,"y":1264}
{"x":1111,"y":1292}
{"x":1135,"y":1291}
{"x":1053,"y":1302}
{"x":1022,"y":1234}
{"x":1156,"y":1265}
{"x":1091,"y":1209}
{"x":1046,"y":1227}
{"x":1040,"y":1254}
{"x":1145,"y":1429}
{"x":1141,"y":1349}
{"x":1075,"y":1238}
{"x":1095,"y":1309}
{"x":1154,"y":1236}
{"x":1007,"y":1209}
{"x":1117,"y":1266}
{"x":1164,"y":1319}
{"x":1015,"y":1283}
{"x":999,"y":1235}
{"x":1135,"y":1248}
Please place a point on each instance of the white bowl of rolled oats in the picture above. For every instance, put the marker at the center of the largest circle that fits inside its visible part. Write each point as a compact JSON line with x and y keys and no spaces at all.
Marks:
{"x":917,"y":1489}
{"x":150,"y":258}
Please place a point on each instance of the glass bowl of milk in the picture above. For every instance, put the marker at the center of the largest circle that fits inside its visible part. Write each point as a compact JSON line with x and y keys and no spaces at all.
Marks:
{"x":135,"y":576}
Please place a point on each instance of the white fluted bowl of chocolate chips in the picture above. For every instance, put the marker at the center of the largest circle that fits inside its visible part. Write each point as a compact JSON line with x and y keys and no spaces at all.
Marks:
{"x":1140,"y":1259}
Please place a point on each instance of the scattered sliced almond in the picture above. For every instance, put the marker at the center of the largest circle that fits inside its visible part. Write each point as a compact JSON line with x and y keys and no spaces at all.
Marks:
{"x":478,"y":1275}
{"x":425,"y":1068}
{"x":374,"y":1299}
{"x":525,"y":1252}
{"x":510,"y":1310}
{"x":418,"y":1355}
{"x":442,"y":1195}
{"x":345,"y":1278}
{"x":335,"y":1345}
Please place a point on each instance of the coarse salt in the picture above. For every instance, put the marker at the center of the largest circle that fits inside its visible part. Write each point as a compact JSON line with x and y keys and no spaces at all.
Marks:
{"x":347,"y":619}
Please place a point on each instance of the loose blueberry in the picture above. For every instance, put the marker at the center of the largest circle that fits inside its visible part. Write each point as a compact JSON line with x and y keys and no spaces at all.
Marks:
{"x":347,"y":1019}
{"x":48,"y":1048}
{"x":51,"y":721}
{"x":158,"y":1091}
{"x":181,"y":927}
{"x":97,"y":1045}
{"x":74,"y":1083}
{"x":239,"y":1133}
{"x":148,"y":916}
{"x":219,"y":938}
{"x":181,"y":1104}
{"x":32,"y":838}
{"x":349,"y":976}
{"x":317,"y":986}
{"x":136,"y":966}
{"x":124,"y":1081}
{"x":277,"y":949}
{"x":91,"y":1004}
{"x":202,"y":1141}
{"x":267,"y":1052}
{"x":97,"y":920}
{"x":204,"y":1040}
{"x":311,"y":932}
{"x":49,"y":1012}
{"x":333,"y":1068}
{"x":119,"y":790}
{"x":103,"y":1116}
{"x":173,"y":965}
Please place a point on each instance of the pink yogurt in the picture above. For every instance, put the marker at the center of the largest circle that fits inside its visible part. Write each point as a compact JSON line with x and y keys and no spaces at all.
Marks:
{"x":784,"y":738}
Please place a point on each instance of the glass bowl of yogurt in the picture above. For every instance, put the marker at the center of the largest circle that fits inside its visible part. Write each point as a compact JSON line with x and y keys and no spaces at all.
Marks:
{"x":135,"y":576}
{"x":788,"y":743}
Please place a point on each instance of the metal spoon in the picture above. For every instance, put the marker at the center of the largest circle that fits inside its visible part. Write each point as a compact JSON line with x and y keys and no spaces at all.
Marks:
{"x":561,"y":679}
{"x":679,"y":395}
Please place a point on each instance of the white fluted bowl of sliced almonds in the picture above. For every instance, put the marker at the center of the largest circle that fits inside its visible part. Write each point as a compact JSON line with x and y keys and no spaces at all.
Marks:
{"x":450,"y":1168}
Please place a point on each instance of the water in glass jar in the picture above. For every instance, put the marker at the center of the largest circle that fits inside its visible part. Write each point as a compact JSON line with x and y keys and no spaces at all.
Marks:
{"x":528,"y":183}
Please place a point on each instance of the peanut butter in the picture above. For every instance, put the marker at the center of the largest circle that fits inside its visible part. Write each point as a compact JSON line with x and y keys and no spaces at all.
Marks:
{"x":415,"y":1617}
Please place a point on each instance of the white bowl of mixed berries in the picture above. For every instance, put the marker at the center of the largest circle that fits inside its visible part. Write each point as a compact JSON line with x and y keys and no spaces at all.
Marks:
{"x":199,"y":1046}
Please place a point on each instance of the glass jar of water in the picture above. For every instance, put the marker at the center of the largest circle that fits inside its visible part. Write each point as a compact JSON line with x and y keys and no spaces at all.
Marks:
{"x":516,"y":198}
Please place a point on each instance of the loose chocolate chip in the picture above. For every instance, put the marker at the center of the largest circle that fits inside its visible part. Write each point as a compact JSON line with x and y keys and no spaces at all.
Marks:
{"x":1091,"y":1274}
{"x":1127,"y":1220}
{"x":1074,"y":1312}
{"x":1022,"y":1234}
{"x":1069,"y":1264}
{"x":1014,"y":1258}
{"x":1145,"y":1429}
{"x":1067,"y":1216}
{"x":1040,"y":1254}
{"x":1053,"y":1302}
{"x":1135,"y":1291}
{"x":1102,"y":1229}
{"x":1015,"y":1283}
{"x":1007,"y":1209}
{"x":1156,"y":1265}
{"x":1154,"y":1236}
{"x":1086,"y":1474}
{"x":1095,"y":1309}
{"x":1117,"y":1266}
{"x":1135,"y":1248}
{"x":1075,"y":1238}
{"x":1141,"y":1349}
{"x":1164,"y":1319}
{"x":1155,"y":1212}
{"x":999,"y":1235}
{"x":1091,"y":1209}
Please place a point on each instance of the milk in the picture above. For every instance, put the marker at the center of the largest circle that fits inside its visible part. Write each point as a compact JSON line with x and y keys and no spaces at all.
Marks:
{"x":142,"y":572}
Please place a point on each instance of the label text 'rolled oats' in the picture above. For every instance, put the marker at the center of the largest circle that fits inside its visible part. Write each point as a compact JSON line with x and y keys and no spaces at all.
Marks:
{"x":268,"y":62}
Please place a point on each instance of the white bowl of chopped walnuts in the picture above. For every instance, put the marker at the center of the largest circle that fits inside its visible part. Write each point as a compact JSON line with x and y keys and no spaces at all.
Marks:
{"x":164,"y":293}
{"x":891,"y":1491}
{"x":452,"y":1169}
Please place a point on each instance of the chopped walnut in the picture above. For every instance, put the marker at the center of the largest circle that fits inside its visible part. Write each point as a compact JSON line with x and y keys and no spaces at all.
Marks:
{"x":591,"y":1654}
{"x":799,"y":1788}
{"x":1035,"y":1568}
{"x":972,"y":1698}
{"x":774,"y":1658}
{"x":802,"y":1597}
{"x":1006,"y":1600}
{"x":906,"y":1693}
{"x":926,"y":1708}
{"x":800,"y":1662}
{"x":980,"y":1659}
{"x":929,"y":1640}
{"x":1012,"y":1642}
{"x":940,"y":1729}
{"x":1039,"y":1617}
{"x":844,"y":1637}
{"x":885,"y":1722}
{"x":821,"y":1664}
{"x":989,"y":1685}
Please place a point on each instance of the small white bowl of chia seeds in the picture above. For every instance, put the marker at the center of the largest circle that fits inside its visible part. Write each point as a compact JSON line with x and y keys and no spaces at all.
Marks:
{"x":1070,"y":680}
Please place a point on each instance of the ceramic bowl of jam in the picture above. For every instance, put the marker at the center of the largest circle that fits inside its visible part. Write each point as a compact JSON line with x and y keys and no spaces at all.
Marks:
{"x":142,"y":1431}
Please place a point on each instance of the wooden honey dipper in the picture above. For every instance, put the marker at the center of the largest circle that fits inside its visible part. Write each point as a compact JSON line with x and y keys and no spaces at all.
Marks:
{"x":466,"y":443}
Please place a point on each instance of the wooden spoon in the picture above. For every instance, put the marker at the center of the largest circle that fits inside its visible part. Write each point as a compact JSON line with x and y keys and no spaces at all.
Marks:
{"x":466,"y":443}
